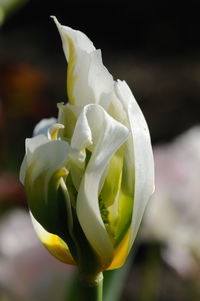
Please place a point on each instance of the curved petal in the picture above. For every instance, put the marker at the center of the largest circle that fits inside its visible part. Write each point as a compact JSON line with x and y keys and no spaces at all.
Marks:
{"x":44,"y":154}
{"x":102,"y":135}
{"x":80,"y":40}
{"x":53,"y":131}
{"x":55,"y":245}
{"x":42,"y":173}
{"x":42,"y":127}
{"x":88,"y":81}
{"x":30,"y":146}
{"x":142,"y":156}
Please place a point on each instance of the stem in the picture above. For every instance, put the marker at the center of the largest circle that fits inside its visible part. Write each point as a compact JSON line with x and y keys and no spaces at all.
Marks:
{"x":91,"y":288}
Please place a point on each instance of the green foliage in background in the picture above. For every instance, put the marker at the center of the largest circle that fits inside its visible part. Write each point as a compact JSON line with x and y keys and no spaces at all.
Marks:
{"x":8,"y":7}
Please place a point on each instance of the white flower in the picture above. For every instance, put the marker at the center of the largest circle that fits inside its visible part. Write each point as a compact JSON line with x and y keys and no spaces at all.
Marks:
{"x":89,"y":178}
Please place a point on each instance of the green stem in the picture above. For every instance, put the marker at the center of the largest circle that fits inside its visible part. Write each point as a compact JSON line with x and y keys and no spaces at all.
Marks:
{"x":91,"y":288}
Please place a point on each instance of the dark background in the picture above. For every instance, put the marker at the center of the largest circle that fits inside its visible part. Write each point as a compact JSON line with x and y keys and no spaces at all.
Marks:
{"x":153,"y":45}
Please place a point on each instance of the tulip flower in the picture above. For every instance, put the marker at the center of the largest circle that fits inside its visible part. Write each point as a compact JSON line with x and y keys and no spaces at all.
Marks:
{"x":89,"y":174}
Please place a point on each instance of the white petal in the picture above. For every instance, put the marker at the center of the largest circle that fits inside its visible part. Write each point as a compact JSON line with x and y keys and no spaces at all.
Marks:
{"x":80,"y":40}
{"x":88,"y":81}
{"x":100,"y":80}
{"x":142,"y":156}
{"x":82,"y":136}
{"x":93,"y":83}
{"x":44,"y":154}
{"x":30,"y":145}
{"x":106,"y":135}
{"x":43,"y":126}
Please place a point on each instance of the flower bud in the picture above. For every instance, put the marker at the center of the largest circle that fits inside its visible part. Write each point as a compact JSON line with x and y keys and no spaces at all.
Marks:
{"x":89,"y":175}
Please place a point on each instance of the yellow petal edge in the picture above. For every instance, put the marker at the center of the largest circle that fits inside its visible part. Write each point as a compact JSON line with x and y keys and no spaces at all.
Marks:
{"x":120,"y":253}
{"x":59,"y":249}
{"x":54,"y":244}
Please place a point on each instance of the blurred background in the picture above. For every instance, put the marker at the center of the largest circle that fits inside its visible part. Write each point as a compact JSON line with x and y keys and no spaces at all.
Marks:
{"x":155,"y":47}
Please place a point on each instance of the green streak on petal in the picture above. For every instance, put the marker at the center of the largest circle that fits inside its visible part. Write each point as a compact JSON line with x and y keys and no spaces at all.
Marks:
{"x":124,"y":218}
{"x":52,"y":202}
{"x":113,"y":179}
{"x":68,"y":119}
{"x":70,"y":70}
{"x":71,"y":190}
{"x":104,"y":213}
{"x":42,"y":194}
{"x":116,"y":197}
{"x":76,"y":175}
{"x":109,"y":193}
{"x":125,"y":201}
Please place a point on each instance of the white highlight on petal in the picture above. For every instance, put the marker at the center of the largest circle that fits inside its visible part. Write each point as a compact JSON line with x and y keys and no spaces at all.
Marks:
{"x":143,"y":156}
{"x":89,"y":79}
{"x":31,"y":145}
{"x":43,"y":154}
{"x":107,"y":135}
{"x":81,"y":41}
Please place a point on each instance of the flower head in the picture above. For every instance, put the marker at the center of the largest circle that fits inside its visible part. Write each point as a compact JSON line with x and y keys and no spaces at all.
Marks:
{"x":89,"y":176}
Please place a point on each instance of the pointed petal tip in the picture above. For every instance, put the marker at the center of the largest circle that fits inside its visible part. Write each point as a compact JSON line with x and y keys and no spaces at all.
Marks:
{"x":54,"y":18}
{"x":58,"y":25}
